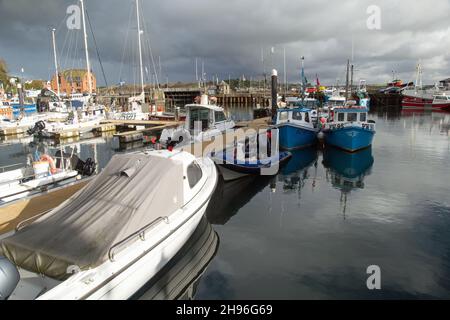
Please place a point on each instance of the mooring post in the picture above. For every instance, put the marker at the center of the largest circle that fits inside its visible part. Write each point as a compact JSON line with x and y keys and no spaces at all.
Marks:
{"x":274,"y":92}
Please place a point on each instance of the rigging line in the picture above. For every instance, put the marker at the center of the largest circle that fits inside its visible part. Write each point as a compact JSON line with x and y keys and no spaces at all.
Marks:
{"x":147,"y":39}
{"x":67,"y":47}
{"x":64,"y":49}
{"x":75,"y":56}
{"x":151,"y":55}
{"x":125,"y":45}
{"x":96,"y":48}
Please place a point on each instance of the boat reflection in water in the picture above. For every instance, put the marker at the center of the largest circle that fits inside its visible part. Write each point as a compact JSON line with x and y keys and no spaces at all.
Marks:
{"x":231,"y":196}
{"x":179,"y":279}
{"x":297,"y":171}
{"x":346,"y":171}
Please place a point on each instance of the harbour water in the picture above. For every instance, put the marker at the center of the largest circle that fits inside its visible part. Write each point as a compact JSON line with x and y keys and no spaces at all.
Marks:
{"x":312,"y":231}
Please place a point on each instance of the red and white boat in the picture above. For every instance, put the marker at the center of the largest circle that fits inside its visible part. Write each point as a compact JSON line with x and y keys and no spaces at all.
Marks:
{"x":442,"y":102}
{"x":427,"y":99}
{"x":418,"y":99}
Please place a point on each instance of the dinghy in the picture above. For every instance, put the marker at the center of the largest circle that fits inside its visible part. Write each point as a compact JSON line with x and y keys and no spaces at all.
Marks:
{"x":114,"y":235}
{"x":256,"y":155}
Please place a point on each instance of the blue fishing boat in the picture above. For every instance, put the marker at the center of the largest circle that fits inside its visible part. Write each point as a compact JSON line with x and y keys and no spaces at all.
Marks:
{"x":349,"y":129}
{"x":297,"y":128}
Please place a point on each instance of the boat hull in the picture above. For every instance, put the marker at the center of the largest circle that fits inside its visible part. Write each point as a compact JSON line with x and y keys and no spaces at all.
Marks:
{"x":418,"y":102}
{"x":132,"y":279}
{"x":350,"y":139}
{"x":295,"y":137}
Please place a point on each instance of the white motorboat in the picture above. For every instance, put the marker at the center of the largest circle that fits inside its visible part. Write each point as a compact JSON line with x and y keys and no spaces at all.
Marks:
{"x":47,"y":173}
{"x":134,"y":112}
{"x":204,"y":120}
{"x":23,"y":122}
{"x":114,"y":235}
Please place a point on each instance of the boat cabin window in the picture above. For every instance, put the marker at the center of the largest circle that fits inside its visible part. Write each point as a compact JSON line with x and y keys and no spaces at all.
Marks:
{"x":297,"y":116}
{"x":352,"y":117}
{"x":363,"y":117}
{"x":199,"y":115}
{"x":194,"y":173}
{"x":341,"y":117}
{"x":219,"y":116}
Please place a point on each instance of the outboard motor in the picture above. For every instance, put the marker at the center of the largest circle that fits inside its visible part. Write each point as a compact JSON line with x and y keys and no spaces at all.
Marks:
{"x":85,"y":168}
{"x":88,"y":167}
{"x":38,"y":127}
{"x":9,"y":278}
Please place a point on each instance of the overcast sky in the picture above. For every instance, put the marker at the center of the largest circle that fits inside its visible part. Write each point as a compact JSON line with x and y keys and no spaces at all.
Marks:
{"x":230,"y":35}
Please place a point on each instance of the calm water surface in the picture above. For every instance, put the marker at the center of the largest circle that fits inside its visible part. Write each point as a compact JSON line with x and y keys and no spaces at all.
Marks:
{"x":312,"y":231}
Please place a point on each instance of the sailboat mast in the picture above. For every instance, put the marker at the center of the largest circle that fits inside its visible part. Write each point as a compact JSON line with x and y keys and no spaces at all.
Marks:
{"x":88,"y":64}
{"x":140,"y":47}
{"x":56,"y":63}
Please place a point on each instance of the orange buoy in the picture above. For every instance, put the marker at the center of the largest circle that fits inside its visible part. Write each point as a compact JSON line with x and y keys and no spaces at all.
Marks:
{"x":51,"y":162}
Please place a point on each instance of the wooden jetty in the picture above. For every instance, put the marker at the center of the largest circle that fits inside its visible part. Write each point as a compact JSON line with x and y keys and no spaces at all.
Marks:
{"x":151,"y":127}
{"x":13,"y":131}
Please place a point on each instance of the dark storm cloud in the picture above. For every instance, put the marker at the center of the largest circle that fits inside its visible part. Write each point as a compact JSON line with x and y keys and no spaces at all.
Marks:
{"x":228,"y":37}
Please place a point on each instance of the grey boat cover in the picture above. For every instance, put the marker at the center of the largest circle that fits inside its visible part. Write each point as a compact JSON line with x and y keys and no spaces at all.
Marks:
{"x":132,"y":192}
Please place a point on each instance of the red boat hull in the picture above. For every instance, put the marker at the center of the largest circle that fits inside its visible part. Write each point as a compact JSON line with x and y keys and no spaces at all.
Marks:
{"x":422,"y":103}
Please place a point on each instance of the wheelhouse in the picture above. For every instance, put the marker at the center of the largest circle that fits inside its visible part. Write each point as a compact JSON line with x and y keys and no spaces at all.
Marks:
{"x":294,"y":115}
{"x":349,"y":115}
{"x":208,"y":116}
{"x":334,"y":102}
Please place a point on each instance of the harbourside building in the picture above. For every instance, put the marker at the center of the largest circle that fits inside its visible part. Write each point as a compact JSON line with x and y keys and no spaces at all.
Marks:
{"x":74,"y":81}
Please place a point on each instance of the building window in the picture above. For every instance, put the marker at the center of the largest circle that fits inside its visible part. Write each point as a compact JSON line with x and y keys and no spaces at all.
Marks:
{"x":194,"y":173}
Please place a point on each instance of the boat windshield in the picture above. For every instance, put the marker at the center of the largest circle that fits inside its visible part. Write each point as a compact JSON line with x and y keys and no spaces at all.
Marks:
{"x":199,"y":115}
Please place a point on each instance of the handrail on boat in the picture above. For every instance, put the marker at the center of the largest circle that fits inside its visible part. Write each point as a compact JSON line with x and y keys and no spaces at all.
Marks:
{"x":3,"y":169}
{"x":140,"y":233}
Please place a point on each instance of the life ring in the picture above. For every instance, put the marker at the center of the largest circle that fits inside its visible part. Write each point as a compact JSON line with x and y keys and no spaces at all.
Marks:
{"x":51,"y":162}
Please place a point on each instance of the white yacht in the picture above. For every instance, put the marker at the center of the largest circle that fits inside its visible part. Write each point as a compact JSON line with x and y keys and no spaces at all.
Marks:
{"x":114,"y":235}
